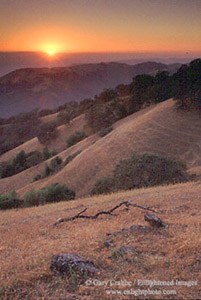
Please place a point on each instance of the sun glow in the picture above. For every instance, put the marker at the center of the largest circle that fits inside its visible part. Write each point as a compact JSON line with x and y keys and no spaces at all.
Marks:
{"x":51,"y":52}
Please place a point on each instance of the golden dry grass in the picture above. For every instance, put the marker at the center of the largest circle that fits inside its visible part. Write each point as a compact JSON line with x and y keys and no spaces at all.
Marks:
{"x":28,"y":240}
{"x":159,"y":129}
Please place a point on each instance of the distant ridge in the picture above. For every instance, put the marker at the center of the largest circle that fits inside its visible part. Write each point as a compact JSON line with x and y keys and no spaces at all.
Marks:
{"x":29,"y":88}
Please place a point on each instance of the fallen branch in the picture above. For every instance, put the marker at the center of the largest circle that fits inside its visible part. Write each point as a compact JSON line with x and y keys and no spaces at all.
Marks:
{"x":102,"y":212}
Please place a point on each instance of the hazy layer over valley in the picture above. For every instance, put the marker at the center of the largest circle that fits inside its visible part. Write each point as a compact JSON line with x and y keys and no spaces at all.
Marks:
{"x":26,"y":89}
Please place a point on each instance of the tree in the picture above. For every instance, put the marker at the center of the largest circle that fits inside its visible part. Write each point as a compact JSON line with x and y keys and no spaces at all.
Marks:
{"x":107,"y":95}
{"x":47,"y":132}
{"x":63,"y":117}
{"x":188,"y":85}
{"x":138,"y":89}
{"x":100,"y":116}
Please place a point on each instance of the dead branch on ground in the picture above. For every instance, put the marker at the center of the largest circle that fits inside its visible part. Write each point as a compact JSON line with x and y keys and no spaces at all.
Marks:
{"x":102,"y":212}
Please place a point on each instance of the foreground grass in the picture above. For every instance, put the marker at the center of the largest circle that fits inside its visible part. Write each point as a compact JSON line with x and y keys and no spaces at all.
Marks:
{"x":28,"y":240}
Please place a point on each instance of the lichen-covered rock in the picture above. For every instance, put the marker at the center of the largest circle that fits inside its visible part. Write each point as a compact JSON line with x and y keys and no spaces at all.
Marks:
{"x":133,"y":228}
{"x":154,"y":221}
{"x":127,"y":249}
{"x":72,"y":263}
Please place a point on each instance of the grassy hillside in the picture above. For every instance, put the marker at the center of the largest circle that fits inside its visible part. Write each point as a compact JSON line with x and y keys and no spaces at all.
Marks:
{"x":25,"y":178}
{"x":159,"y":129}
{"x":59,"y":144}
{"x":28,"y":240}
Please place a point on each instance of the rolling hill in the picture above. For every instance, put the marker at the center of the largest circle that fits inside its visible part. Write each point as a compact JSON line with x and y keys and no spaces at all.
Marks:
{"x":158,"y":129}
{"x":26,"y":89}
{"x":28,"y":240}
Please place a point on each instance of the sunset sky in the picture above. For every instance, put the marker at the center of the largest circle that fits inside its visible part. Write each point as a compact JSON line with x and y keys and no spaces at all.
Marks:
{"x":101,"y":25}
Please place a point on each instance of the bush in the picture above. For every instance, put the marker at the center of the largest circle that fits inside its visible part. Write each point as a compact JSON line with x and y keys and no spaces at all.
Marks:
{"x":105,"y":131}
{"x":75,"y":138}
{"x":142,"y":170}
{"x":71,"y":157}
{"x":37,"y":177}
{"x":54,"y":152}
{"x":10,"y":200}
{"x":34,"y":158}
{"x":55,"y":162}
{"x":46,"y":153}
{"x":46,"y":172}
{"x":54,"y":193}
{"x":104,"y":186}
{"x":20,"y":159}
{"x":21,"y":162}
{"x":7,"y":170}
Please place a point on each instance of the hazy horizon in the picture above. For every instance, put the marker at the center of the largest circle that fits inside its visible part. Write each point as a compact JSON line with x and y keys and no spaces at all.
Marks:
{"x":12,"y":60}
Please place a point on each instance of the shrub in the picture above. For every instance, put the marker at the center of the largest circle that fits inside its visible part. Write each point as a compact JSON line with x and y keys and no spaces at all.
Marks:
{"x":105,"y":131}
{"x":53,"y":193}
{"x":7,"y":170}
{"x":75,"y":138}
{"x":37,"y":177}
{"x":21,"y":162}
{"x":10,"y":200}
{"x":71,"y":157}
{"x":55,"y":162}
{"x":103,"y":186}
{"x":46,"y":172}
{"x":54,"y":152}
{"x":20,"y":159}
{"x":34,"y":158}
{"x":142,"y":170}
{"x":46,"y":153}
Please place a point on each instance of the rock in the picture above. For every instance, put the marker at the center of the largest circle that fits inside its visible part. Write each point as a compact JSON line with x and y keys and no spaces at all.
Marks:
{"x":137,"y":228}
{"x":154,"y":221}
{"x":126,"y":249}
{"x":69,"y":262}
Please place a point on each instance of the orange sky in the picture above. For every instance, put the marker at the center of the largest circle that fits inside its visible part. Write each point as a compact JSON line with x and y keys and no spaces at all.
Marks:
{"x":101,"y":25}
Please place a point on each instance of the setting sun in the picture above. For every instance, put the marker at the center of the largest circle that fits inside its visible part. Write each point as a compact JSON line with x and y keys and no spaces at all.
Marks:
{"x":51,"y":52}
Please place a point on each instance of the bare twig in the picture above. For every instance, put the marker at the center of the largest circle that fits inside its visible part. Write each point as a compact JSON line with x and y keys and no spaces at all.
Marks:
{"x":102,"y":212}
{"x":61,"y":220}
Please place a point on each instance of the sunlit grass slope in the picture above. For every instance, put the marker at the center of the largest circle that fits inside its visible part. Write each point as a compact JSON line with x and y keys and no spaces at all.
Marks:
{"x":28,"y":240}
{"x":159,"y":129}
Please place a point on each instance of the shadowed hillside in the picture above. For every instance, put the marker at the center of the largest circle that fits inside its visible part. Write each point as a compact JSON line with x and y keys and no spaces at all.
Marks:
{"x":59,"y":144}
{"x":159,"y":129}
{"x":26,"y":89}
